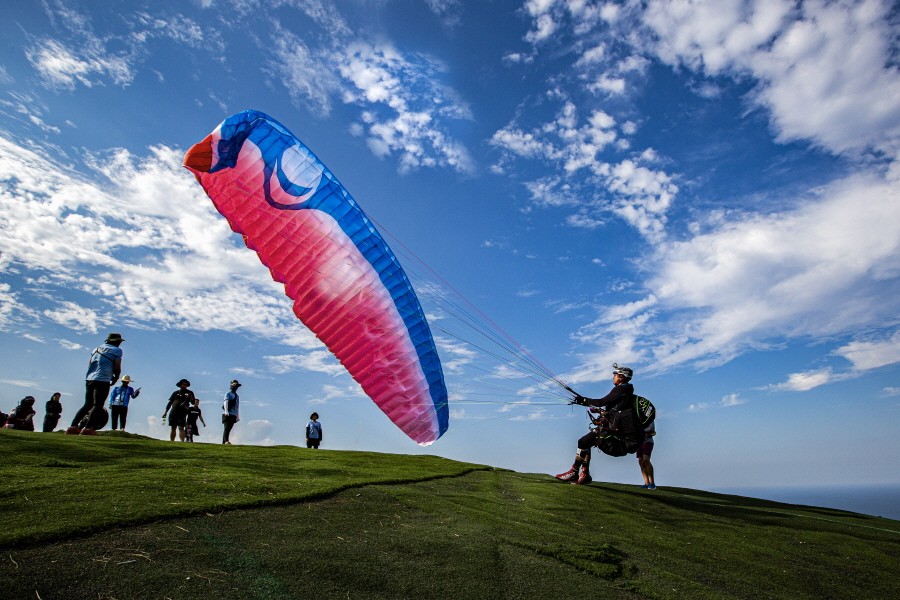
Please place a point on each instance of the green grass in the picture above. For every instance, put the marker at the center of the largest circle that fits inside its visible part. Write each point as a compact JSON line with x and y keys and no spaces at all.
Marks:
{"x":126,"y":517}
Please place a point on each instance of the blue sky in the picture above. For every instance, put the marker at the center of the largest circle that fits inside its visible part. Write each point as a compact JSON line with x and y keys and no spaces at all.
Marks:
{"x":704,"y":191}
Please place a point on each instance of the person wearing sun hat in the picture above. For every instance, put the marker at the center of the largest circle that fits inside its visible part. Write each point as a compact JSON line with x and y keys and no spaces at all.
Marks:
{"x":118,"y":402}
{"x":177,"y":408}
{"x":104,"y":368}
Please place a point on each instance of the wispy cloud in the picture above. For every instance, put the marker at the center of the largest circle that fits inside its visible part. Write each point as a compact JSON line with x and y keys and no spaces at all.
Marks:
{"x":803,"y":382}
{"x":320,"y":361}
{"x":727,"y":401}
{"x":64,"y":67}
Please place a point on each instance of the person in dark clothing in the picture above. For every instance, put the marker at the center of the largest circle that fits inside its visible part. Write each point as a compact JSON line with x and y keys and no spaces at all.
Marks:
{"x":177,"y":408}
{"x":193,"y":413}
{"x":619,"y":399}
{"x":52,"y":412}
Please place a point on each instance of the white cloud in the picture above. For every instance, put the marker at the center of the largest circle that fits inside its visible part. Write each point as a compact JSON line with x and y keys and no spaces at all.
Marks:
{"x":803,"y":382}
{"x":321,"y":361}
{"x":178,"y":28}
{"x":630,"y":189}
{"x":447,"y":10}
{"x":819,"y":269}
{"x":70,"y":314}
{"x":308,"y":77}
{"x":63,"y":67}
{"x":70,"y":345}
{"x":405,"y":105}
{"x":9,"y":305}
{"x":872,"y":354}
{"x":727,"y":401}
{"x":333,"y":392}
{"x":455,"y":355}
{"x":172,"y":262}
{"x":731,"y":400}
{"x":82,"y":57}
{"x":535,"y":415}
{"x":823,"y":68}
{"x":255,"y":432}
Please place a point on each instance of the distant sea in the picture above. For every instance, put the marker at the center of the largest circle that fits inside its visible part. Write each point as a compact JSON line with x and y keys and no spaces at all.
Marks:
{"x":875,"y":500}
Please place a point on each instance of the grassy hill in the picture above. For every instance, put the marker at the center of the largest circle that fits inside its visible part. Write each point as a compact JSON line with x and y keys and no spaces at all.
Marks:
{"x":119,"y":517}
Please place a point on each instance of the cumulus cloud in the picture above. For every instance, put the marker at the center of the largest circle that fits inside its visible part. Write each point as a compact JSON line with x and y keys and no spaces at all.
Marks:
{"x":255,"y":432}
{"x":872,"y":354}
{"x":824,"y":73}
{"x":631,"y":188}
{"x":822,"y":268}
{"x":833,"y":56}
{"x":405,"y":105}
{"x":174,"y":262}
{"x":71,"y":315}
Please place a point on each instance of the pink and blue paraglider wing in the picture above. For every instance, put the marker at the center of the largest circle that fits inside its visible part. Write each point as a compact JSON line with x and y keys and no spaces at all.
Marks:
{"x":347,"y":286}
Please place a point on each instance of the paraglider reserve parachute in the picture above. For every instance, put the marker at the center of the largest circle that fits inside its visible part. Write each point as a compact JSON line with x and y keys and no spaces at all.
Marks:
{"x":347,"y":286}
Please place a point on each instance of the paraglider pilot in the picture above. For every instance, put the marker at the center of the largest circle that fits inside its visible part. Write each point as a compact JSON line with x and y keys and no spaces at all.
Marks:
{"x":619,"y":399}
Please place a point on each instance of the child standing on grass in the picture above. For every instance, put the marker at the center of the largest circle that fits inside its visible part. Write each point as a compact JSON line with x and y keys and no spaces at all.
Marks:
{"x":313,"y":432}
{"x":193,"y":413}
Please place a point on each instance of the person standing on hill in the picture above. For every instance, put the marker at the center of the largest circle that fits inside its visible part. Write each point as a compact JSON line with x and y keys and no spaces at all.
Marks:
{"x":177,"y":408}
{"x":313,"y":431}
{"x":620,"y":398}
{"x":118,"y":402}
{"x":230,"y":410}
{"x":193,"y":413}
{"x":643,"y":456}
{"x":104,"y":368}
{"x":52,"y":412}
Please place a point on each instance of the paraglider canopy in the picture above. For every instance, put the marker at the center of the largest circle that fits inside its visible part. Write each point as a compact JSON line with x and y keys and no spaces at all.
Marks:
{"x":347,"y":285}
